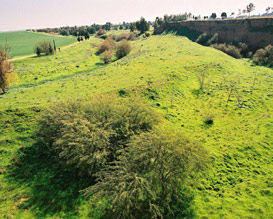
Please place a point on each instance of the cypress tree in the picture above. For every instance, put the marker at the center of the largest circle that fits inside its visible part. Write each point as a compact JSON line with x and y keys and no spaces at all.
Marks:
{"x":54,"y":44}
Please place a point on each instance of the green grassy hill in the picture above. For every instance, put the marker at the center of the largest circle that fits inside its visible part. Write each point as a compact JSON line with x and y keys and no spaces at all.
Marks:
{"x":163,"y":70}
{"x":22,"y":42}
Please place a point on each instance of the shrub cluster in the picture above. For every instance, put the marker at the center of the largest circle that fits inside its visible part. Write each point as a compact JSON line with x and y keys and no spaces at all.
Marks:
{"x":106,"y":49}
{"x":123,"y":36}
{"x":264,"y":56}
{"x":142,"y":172}
{"x":238,"y":51}
{"x":228,"y":49}
{"x":126,"y":36}
{"x":148,"y":178}
{"x":108,"y":44}
{"x":45,"y":47}
{"x":206,"y":40}
{"x":87,"y":135}
{"x":244,"y":50}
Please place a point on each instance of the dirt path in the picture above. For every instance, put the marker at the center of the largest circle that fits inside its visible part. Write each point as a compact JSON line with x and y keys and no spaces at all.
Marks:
{"x":29,"y":56}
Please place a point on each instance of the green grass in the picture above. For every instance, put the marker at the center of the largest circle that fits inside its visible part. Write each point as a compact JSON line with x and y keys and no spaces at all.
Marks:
{"x":162,"y":70}
{"x":22,"y":42}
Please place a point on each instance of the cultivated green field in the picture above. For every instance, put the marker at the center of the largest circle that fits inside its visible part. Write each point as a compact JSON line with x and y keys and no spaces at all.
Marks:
{"x":22,"y":42}
{"x":163,"y":71}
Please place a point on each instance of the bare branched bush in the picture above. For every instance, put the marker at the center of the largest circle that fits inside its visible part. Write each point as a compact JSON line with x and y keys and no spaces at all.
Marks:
{"x":108,"y":44}
{"x":123,"y":36}
{"x":106,"y":56}
{"x":131,"y":36}
{"x":264,"y":56}
{"x":6,"y":70}
{"x":123,"y":49}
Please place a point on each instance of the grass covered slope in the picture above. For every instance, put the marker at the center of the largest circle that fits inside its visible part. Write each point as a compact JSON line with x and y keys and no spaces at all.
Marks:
{"x":22,"y":42}
{"x":164,"y":71}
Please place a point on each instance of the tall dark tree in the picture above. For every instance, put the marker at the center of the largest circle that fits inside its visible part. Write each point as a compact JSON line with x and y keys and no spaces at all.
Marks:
{"x":107,"y":26}
{"x":54,"y":46}
{"x":213,"y":16}
{"x":132,"y":27}
{"x":142,"y":25}
{"x":158,"y":22}
{"x":224,"y":15}
{"x":91,"y":30}
{"x":96,"y":26}
{"x":250,"y":8}
{"x":64,"y":33}
{"x":86,"y":35}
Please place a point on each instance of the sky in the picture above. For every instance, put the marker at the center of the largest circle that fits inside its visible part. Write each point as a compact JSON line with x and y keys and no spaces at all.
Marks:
{"x":33,"y":14}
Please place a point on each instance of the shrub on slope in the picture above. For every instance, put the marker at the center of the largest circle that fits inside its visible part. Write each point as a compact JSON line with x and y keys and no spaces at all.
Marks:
{"x":148,"y":179}
{"x":123,"y":49}
{"x":228,"y":49}
{"x":108,"y":44}
{"x":86,"y":135}
{"x":264,"y":56}
{"x":45,"y":47}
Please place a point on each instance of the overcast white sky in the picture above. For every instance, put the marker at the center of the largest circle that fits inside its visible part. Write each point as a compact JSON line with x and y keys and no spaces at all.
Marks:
{"x":23,"y":14}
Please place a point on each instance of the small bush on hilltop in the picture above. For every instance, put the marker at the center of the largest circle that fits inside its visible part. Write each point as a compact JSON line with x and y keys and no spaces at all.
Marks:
{"x":149,"y":178}
{"x":86,"y":135}
{"x":228,"y":49}
{"x":45,"y":47}
{"x":123,"y":49}
{"x":264,"y":56}
{"x":142,"y":25}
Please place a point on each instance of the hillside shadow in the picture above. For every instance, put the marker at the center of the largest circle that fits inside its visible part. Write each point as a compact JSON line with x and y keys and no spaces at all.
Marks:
{"x":183,"y":31}
{"x":40,"y":56}
{"x":100,"y":64}
{"x":52,"y":188}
